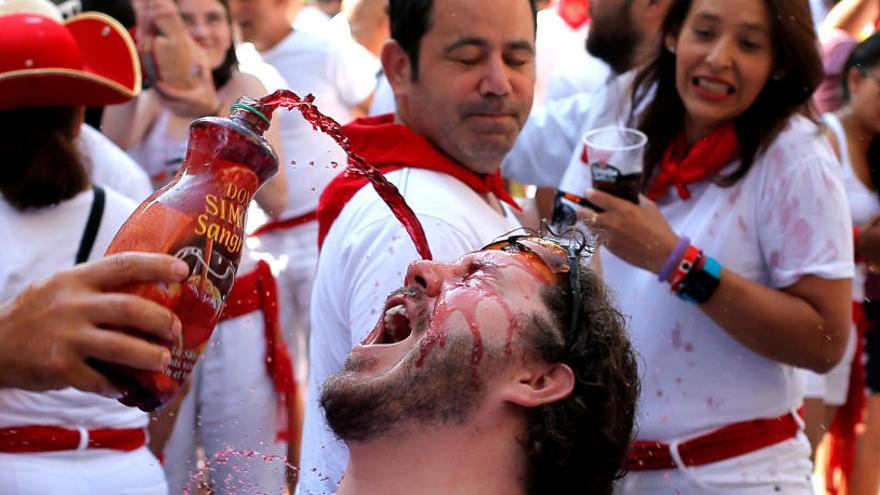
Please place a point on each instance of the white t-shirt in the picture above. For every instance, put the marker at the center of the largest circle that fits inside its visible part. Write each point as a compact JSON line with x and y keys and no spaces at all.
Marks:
{"x":788,"y":217}
{"x":112,"y":167}
{"x":341,"y":75}
{"x":365,"y":256}
{"x":563,"y":65}
{"x":551,"y":141}
{"x":38,"y":243}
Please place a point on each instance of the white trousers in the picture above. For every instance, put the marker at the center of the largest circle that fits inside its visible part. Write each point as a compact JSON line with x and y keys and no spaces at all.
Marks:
{"x":232,"y":405}
{"x":82,"y":472}
{"x":784,"y":468}
{"x":293,"y":256}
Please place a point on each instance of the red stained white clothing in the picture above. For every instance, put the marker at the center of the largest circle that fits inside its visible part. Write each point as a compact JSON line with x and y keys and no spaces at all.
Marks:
{"x":364,"y":257}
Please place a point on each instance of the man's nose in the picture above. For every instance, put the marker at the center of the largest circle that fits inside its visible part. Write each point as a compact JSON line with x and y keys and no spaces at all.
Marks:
{"x":496,"y":79}
{"x":427,"y":276}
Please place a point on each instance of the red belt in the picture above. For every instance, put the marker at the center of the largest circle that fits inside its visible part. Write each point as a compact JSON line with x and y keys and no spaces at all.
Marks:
{"x":287,"y":223}
{"x":724,"y":443}
{"x":40,"y":438}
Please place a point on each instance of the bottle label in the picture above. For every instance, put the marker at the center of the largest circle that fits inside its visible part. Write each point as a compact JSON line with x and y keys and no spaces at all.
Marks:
{"x":199,"y":219}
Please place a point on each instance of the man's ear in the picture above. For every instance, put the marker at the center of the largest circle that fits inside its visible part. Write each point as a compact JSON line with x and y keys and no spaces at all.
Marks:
{"x":397,"y":67}
{"x":540,"y":383}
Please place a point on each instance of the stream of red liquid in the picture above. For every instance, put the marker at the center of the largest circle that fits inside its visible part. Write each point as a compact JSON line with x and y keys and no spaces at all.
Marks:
{"x":356,"y":165}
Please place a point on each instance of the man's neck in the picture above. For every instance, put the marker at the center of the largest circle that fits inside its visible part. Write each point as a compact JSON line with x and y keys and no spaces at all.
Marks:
{"x":438,"y":460}
{"x":490,"y":199}
{"x":274,"y":38}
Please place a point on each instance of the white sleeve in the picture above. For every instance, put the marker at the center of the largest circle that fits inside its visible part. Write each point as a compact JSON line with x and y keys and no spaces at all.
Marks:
{"x":803,"y":216}
{"x":353,"y":70}
{"x":544,"y":147}
{"x":112,"y":167}
{"x":379,"y":256}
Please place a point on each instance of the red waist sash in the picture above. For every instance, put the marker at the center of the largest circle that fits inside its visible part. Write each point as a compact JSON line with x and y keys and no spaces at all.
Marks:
{"x":284,"y":224}
{"x":724,"y":443}
{"x":44,"y":438}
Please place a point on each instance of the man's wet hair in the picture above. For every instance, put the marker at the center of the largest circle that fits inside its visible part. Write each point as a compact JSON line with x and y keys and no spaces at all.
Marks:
{"x":579,"y":444}
{"x":411,"y":19}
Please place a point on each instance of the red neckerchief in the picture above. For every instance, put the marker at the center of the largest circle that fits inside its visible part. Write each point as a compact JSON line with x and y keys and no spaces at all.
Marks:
{"x":575,"y":13}
{"x":388,"y":147}
{"x":706,"y":158}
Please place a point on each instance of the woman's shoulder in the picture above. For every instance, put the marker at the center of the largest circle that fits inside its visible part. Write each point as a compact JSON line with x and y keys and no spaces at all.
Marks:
{"x":802,"y":139}
{"x":243,"y":84}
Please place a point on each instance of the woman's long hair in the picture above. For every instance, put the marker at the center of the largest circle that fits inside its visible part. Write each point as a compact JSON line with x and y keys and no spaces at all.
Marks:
{"x":797,"y":73}
{"x":41,"y":162}
{"x":864,"y":57}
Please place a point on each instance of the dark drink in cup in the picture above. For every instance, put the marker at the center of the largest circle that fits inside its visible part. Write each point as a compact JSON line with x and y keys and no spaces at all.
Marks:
{"x":615,"y":158}
{"x":608,"y":178}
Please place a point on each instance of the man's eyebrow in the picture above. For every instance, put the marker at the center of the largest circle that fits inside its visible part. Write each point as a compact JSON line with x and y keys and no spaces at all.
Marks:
{"x":482,"y":43}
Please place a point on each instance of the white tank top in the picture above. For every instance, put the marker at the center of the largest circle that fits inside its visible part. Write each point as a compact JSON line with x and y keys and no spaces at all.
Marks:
{"x":159,"y":153}
{"x":864,"y":204}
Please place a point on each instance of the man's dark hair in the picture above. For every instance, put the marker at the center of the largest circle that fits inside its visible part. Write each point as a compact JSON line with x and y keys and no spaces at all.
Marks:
{"x":411,"y":19}
{"x":579,"y":444}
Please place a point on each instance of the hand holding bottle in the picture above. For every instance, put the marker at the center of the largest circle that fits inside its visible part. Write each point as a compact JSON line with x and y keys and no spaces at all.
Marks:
{"x":50,"y":331}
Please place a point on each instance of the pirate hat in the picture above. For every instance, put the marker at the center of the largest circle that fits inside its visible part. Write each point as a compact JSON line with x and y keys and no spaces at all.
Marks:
{"x":86,"y":60}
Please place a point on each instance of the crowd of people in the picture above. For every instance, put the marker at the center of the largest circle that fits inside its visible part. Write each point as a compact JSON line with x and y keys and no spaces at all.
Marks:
{"x":715,"y":335}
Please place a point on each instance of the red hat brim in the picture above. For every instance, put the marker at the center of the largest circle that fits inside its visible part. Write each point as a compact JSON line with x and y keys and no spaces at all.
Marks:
{"x":110,"y":72}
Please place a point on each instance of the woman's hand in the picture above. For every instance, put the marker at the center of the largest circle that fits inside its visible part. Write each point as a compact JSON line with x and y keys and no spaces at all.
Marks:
{"x":200,"y":100}
{"x":638,"y":234}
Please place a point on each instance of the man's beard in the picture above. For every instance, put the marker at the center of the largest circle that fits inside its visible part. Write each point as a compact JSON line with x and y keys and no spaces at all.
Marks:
{"x":614,"y":40}
{"x":442,"y":391}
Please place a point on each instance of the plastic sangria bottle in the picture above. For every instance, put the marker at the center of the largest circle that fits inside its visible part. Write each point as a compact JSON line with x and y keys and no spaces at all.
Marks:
{"x":198,"y":217}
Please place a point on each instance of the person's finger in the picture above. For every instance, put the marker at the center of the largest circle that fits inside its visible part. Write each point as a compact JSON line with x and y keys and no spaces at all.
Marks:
{"x":604,"y":200}
{"x":124,"y":268}
{"x":87,"y":379}
{"x":137,"y":313}
{"x":116,"y":347}
{"x":588,"y":216}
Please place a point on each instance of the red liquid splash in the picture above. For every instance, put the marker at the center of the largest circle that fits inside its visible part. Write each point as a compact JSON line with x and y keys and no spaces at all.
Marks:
{"x":356,"y":165}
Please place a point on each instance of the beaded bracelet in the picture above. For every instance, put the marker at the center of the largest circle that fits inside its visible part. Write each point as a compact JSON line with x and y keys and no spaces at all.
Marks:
{"x":676,"y":255}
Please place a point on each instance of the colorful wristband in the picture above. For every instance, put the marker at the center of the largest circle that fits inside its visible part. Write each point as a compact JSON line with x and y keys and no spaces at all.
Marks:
{"x":701,"y":283}
{"x":673,"y":259}
{"x":687,"y":262}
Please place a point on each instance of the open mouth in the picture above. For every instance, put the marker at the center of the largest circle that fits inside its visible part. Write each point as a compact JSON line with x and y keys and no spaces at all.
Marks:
{"x":396,"y":325}
{"x":393,"y":327}
{"x":713,"y":86}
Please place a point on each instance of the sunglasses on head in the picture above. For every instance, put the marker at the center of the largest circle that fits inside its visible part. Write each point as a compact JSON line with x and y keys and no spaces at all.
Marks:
{"x":562,"y":260}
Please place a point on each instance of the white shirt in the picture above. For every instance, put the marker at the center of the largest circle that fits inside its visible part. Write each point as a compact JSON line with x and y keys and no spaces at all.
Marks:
{"x":38,"y":243}
{"x":341,"y":75}
{"x":562,"y":64}
{"x":365,"y":257}
{"x":551,"y":141}
{"x":788,"y":217}
{"x":112,"y":167}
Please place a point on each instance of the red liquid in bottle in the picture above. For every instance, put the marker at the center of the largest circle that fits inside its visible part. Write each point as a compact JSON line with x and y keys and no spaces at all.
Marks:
{"x":198,"y":217}
{"x":356,"y":165}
